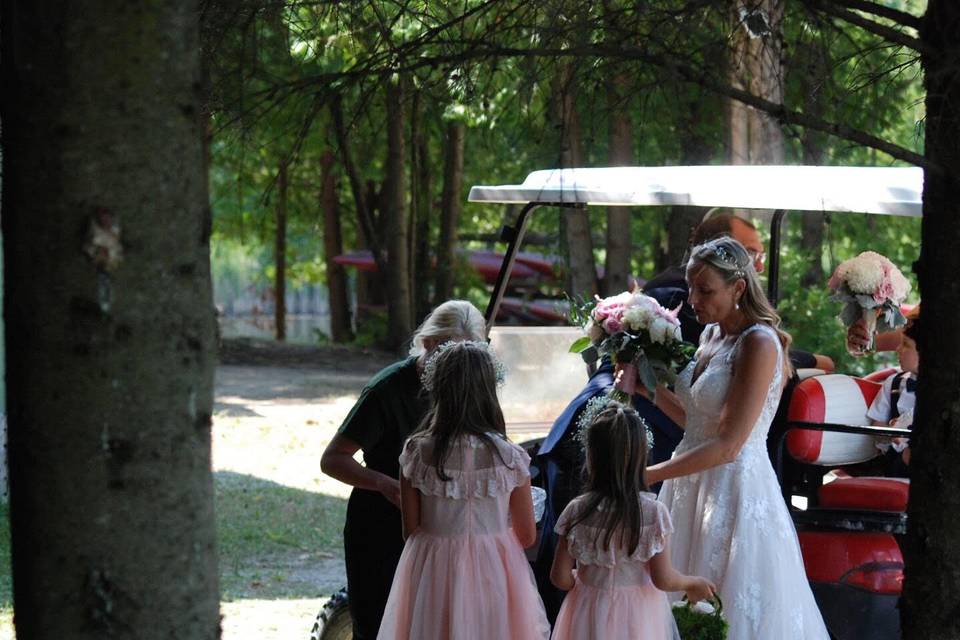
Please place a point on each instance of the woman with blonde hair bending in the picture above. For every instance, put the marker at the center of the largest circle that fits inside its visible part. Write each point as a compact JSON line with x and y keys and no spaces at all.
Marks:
{"x":732,"y":525}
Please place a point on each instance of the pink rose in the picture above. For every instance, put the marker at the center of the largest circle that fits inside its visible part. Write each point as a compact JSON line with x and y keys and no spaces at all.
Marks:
{"x":612,"y":324}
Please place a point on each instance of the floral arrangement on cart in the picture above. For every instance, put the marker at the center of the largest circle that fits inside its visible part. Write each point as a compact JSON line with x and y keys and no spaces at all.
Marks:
{"x":871,"y":287}
{"x":640,"y":337}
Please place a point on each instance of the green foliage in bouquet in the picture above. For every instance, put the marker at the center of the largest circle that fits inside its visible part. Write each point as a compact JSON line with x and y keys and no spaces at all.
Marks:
{"x":696,"y":625}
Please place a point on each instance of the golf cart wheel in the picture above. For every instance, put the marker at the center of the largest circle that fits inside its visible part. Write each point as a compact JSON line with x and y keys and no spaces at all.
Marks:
{"x":333,"y":622}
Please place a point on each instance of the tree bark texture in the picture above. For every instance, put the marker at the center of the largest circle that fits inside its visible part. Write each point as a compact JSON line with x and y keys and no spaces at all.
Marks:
{"x":738,"y":119}
{"x":333,"y":246}
{"x":932,"y":556}
{"x":767,"y":82}
{"x":397,"y":276}
{"x":575,"y":224}
{"x":109,"y":321}
{"x":450,"y":208}
{"x":815,"y":75}
{"x":616,"y":276}
{"x":421,"y":196}
{"x":280,"y":257}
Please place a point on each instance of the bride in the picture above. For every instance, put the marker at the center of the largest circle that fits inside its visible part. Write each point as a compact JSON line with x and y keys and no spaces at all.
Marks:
{"x":731,"y":522}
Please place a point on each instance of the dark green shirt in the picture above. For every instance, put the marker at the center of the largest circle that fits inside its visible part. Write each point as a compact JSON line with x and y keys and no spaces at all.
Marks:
{"x":389,"y":408}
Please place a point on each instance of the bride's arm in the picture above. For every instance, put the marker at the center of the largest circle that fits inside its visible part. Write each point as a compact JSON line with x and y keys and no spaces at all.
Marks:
{"x":668,"y":402}
{"x":755,"y":367}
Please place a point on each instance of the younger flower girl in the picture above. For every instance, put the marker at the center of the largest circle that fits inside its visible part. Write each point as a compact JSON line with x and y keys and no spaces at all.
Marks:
{"x":467,"y":514}
{"x":618,"y":534}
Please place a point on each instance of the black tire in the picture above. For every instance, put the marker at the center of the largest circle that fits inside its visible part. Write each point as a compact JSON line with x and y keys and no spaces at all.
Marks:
{"x":333,"y":622}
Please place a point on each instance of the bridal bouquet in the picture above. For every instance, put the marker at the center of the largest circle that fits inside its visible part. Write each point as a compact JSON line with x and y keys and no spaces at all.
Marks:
{"x":871,"y":287}
{"x":639,"y":336}
{"x":701,"y":621}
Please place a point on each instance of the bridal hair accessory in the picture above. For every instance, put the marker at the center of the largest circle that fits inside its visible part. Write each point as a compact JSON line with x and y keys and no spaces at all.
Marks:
{"x":430,"y":367}
{"x":728,"y":258}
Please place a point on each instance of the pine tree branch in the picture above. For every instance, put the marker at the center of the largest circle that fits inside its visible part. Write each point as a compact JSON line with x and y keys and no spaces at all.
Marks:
{"x":900,"y":17}
{"x":888,"y":33}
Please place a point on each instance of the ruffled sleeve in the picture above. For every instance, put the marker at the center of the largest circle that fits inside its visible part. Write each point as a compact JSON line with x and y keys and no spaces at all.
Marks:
{"x":585,"y":540}
{"x":509,"y":469}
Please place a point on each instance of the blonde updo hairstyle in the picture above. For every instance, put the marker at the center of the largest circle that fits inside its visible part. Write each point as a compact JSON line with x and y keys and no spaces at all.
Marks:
{"x":730,"y":259}
{"x":452,"y":320}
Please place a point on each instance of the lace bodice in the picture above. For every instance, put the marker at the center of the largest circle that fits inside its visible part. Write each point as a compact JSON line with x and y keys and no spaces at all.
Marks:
{"x":476,"y":497}
{"x":614,"y":565}
{"x":704,"y":397}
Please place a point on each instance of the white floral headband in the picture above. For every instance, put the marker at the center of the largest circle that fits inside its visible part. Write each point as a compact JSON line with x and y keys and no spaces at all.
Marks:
{"x":430,"y":366}
{"x":594,"y":406}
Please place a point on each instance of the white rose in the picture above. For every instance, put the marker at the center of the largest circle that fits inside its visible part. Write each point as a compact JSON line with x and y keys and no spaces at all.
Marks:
{"x":660,"y":329}
{"x":636,"y":318}
{"x":704,"y":607}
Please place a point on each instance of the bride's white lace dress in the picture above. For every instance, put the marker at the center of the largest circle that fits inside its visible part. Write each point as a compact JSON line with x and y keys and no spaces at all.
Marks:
{"x":731,"y":523}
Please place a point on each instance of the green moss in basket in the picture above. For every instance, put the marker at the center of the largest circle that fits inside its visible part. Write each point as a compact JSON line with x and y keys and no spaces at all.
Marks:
{"x":696,"y":625}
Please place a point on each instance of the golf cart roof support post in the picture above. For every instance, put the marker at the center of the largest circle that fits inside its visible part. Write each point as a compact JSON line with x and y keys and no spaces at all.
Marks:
{"x":514,"y":236}
{"x":773,"y":256}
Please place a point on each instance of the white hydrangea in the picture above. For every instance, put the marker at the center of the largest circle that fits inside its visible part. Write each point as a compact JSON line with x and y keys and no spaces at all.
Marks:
{"x":661,"y":330}
{"x":864,"y":273}
{"x":637,"y":318}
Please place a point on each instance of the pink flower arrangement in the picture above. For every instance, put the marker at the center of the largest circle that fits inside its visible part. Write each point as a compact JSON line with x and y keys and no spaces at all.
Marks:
{"x":871,"y":287}
{"x":638,"y":335}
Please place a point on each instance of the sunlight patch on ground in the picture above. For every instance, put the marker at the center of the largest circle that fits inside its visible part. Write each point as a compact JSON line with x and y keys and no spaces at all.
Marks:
{"x":269,"y":619}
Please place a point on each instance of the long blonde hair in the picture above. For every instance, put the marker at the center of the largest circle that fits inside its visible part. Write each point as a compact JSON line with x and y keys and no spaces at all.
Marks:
{"x":452,"y":320}
{"x":730,"y":259}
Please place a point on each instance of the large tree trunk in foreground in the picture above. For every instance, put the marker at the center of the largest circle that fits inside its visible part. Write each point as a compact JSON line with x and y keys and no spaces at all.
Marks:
{"x":397,"y":277}
{"x":109,"y":322}
{"x":333,"y":246}
{"x":932,"y":555}
{"x":450,"y":208}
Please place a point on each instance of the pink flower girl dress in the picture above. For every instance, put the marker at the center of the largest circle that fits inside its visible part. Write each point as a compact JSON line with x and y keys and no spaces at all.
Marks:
{"x":463,"y":574}
{"x":614,"y":597}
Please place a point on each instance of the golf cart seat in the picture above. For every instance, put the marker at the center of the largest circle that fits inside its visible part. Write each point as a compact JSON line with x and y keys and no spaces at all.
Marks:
{"x":838,"y":399}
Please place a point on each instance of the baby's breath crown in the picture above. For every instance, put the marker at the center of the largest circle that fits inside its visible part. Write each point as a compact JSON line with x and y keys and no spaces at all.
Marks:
{"x":430,"y":367}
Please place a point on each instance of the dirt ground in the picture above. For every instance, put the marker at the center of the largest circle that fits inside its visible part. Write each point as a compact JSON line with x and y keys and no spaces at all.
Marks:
{"x":276,"y":408}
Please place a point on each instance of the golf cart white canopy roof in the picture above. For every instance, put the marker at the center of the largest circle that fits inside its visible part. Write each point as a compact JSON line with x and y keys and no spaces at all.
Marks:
{"x":883,"y":190}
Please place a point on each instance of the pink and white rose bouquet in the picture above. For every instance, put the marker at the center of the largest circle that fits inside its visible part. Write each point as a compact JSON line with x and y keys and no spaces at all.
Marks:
{"x":871,"y":287}
{"x":640,"y":337}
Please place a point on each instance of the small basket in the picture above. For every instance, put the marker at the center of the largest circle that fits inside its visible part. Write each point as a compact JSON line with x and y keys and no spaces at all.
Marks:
{"x":695,"y":625}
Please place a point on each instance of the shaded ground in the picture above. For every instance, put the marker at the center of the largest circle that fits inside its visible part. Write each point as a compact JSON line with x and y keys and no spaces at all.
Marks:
{"x":279,"y":519}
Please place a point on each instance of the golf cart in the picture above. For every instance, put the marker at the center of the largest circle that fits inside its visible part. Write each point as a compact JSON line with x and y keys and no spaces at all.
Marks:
{"x":848,"y":528}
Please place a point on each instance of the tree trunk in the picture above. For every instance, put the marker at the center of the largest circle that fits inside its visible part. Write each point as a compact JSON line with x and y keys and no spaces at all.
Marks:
{"x":932,"y":556}
{"x":450,"y":208}
{"x":575,"y":224}
{"x":397,"y":280}
{"x":109,"y":322}
{"x":617,"y":264}
{"x":280,"y":257}
{"x":332,"y":247}
{"x":814,"y":77}
{"x":766,"y":81}
{"x":421,"y":195}
{"x":738,"y":119}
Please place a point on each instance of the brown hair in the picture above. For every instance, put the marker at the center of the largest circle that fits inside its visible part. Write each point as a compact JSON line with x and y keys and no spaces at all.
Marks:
{"x":616,"y":443}
{"x":463,"y":400}
{"x":715,"y":226}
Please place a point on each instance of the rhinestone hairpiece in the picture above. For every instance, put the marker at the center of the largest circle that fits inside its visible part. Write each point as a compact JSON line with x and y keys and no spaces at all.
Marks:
{"x":430,"y":366}
{"x":728,"y":258}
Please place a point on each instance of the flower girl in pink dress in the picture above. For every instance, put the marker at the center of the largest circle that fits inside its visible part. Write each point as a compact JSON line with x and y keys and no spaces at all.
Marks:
{"x":467,"y":514}
{"x":618,"y":534}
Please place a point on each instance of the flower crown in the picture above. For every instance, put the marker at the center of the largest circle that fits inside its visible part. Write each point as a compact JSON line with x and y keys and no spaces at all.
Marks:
{"x":593,"y":408}
{"x":430,"y":366}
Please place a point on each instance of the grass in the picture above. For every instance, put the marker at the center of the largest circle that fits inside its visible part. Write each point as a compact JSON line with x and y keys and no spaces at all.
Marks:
{"x":270,"y":535}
